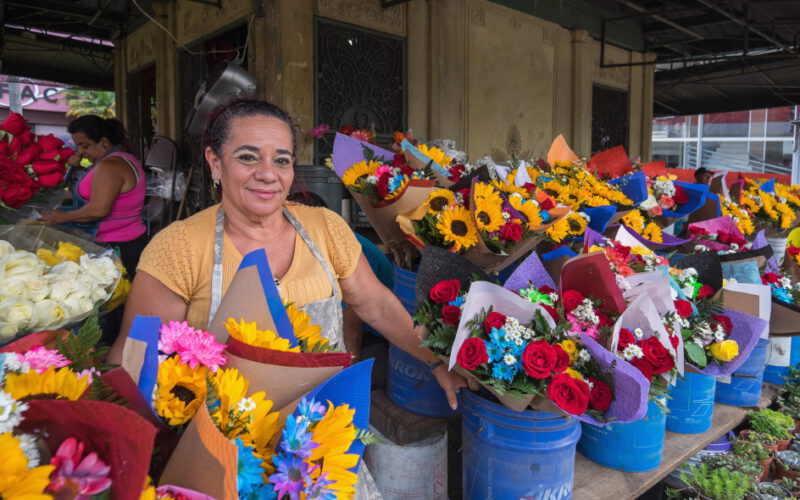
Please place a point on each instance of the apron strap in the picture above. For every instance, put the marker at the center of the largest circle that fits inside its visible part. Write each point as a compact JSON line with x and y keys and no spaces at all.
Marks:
{"x":315,"y":251}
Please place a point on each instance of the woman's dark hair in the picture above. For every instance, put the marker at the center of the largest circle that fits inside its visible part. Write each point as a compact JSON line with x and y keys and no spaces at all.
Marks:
{"x":217,"y":130}
{"x":95,"y":128}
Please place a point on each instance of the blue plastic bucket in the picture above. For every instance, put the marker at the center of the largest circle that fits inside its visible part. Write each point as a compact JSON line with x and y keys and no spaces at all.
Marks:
{"x":692,"y":405}
{"x":744,"y":386}
{"x":632,"y":447}
{"x":405,"y":283}
{"x":510,"y":454}
{"x":775,"y":374}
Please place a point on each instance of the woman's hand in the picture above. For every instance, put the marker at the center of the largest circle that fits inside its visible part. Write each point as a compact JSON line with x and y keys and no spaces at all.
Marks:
{"x":451,"y":382}
{"x":75,"y":160}
{"x":55,"y":217}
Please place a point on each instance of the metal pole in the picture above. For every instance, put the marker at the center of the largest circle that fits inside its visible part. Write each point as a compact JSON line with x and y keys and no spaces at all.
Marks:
{"x":795,"y":150}
{"x":14,"y":99}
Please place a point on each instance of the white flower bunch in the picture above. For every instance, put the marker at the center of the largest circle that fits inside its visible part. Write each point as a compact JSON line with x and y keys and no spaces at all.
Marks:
{"x":663,"y":187}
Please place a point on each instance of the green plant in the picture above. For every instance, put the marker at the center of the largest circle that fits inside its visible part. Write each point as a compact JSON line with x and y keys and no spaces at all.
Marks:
{"x":760,"y":438}
{"x":771,"y":422}
{"x":771,"y":491}
{"x":790,"y":460}
{"x":789,"y":483}
{"x":750,"y":450}
{"x":734,"y":463}
{"x":718,"y":483}
{"x":90,"y":102}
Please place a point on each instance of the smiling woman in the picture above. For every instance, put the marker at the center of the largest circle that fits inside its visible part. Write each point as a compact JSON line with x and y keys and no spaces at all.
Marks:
{"x":315,"y":257}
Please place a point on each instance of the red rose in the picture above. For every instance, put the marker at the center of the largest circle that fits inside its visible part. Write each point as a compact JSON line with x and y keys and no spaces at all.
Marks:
{"x":793,"y":250}
{"x":42,"y":167}
{"x":705,"y":291}
{"x":451,"y":315}
{"x":626,"y":338}
{"x":725,"y":321}
{"x":770,"y":278}
{"x":445,"y":291}
{"x":680,"y":195}
{"x":738,"y":240}
{"x":658,"y":355}
{"x":382,"y":186}
{"x":493,"y":320}
{"x":723,"y":237}
{"x":28,"y":154}
{"x":16,"y":187}
{"x":547,"y":204}
{"x":50,"y":142}
{"x":52,"y":179}
{"x":684,"y":308}
{"x":511,"y":232}
{"x":601,"y":396}
{"x":602,"y":318}
{"x":539,"y":359}
{"x":551,"y":310}
{"x":472,"y":354}
{"x":644,"y":366}
{"x":64,"y":154}
{"x":569,"y":394}
{"x":696,"y":231}
{"x":563,"y":359}
{"x":546,"y":290}
{"x":14,"y":124}
{"x":529,"y":187}
{"x":25,"y":138}
{"x":572,"y":299}
{"x":674,"y":340}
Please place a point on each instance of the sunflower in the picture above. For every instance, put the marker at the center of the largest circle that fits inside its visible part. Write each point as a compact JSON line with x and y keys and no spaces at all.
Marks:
{"x":558,"y":231}
{"x":653,"y":233}
{"x":456,"y":226}
{"x":787,"y":215}
{"x":335,"y":434}
{"x":489,"y":215}
{"x":577,"y":224}
{"x":352,"y":175}
{"x":399,"y":189}
{"x":634,"y":220}
{"x":180,"y":389}
{"x":53,"y":383}
{"x":307,"y":334}
{"x":17,"y":480}
{"x":528,"y":209}
{"x":435,"y":154}
{"x":240,"y":415}
{"x":439,"y":200}
{"x":508,"y":187}
{"x":247,"y":333}
{"x":484,"y":191}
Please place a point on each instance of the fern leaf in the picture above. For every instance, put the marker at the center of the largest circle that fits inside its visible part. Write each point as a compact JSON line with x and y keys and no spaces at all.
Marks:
{"x":367,"y":437}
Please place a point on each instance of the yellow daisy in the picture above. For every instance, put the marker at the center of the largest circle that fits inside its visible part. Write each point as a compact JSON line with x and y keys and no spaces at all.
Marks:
{"x":439,"y":200}
{"x":353,"y":175}
{"x":653,"y":233}
{"x":573,"y":373}
{"x":17,"y":480}
{"x":247,"y":333}
{"x":457,"y":227}
{"x":335,"y":434}
{"x":488,"y":215}
{"x":435,"y":154}
{"x":558,"y":231}
{"x":307,"y":333}
{"x":60,"y":383}
{"x":577,"y":224}
{"x":180,"y":390}
{"x":529,"y":210}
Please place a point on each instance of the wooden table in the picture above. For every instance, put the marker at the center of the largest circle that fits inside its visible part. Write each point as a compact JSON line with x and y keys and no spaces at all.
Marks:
{"x":595,"y":482}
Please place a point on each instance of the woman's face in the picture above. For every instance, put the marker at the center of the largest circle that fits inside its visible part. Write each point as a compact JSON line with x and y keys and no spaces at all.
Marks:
{"x":89,"y":148}
{"x":256,"y":165}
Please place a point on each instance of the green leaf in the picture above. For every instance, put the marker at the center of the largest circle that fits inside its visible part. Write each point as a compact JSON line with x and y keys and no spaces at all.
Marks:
{"x":697,"y":354}
{"x":367,"y":438}
{"x":81,"y":349}
{"x":369,"y":154}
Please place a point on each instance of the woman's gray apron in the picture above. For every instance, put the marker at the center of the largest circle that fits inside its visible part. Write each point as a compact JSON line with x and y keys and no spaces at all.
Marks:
{"x":327,"y":313}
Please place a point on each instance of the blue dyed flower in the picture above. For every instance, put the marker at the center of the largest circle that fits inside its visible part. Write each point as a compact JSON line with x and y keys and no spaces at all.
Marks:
{"x":498,"y":336}
{"x":494,"y":351}
{"x":545,"y":215}
{"x":319,"y":490}
{"x":458,"y":302}
{"x":297,"y":438}
{"x":311,"y":409}
{"x":248,"y":476}
{"x":503,"y":371}
{"x":291,"y":474}
{"x":396,"y":183}
{"x":783,"y":295}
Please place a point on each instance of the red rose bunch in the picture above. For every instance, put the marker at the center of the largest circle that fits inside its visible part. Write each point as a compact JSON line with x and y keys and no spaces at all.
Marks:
{"x":654,"y":358}
{"x":770,"y":277}
{"x":540,"y":360}
{"x":680,"y":195}
{"x":793,"y":250}
{"x":472,"y":354}
{"x":569,"y":394}
{"x":511,"y":232}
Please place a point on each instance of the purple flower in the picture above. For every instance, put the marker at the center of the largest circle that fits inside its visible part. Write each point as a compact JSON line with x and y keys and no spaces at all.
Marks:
{"x":310,"y":409}
{"x":318,"y":490}
{"x":320,"y":130}
{"x":291,"y":474}
{"x":296,"y":438}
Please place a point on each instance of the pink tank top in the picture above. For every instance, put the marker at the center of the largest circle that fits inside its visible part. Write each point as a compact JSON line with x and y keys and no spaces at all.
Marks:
{"x":123,"y":222}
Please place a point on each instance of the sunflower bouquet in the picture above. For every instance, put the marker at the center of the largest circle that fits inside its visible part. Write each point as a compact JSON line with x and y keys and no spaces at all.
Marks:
{"x":738,"y":214}
{"x":769,"y":212}
{"x":572,"y":185}
{"x":637,"y":222}
{"x":447,"y":165}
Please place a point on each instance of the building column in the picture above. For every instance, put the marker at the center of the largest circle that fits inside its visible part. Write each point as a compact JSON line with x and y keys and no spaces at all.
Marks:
{"x":582,"y":69}
{"x":648,"y":101}
{"x":167,"y":80}
{"x":121,"y":82}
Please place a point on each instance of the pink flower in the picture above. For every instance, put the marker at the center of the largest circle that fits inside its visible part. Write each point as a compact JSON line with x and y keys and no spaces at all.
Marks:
{"x":361,"y":135}
{"x":320,"y":130}
{"x":656,"y":211}
{"x":383,"y":169}
{"x":193,"y":346}
{"x":666,"y":202}
{"x":75,"y":473}
{"x":40,"y":359}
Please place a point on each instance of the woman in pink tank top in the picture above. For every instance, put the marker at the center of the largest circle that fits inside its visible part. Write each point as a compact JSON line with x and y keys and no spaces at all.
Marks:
{"x":112,"y":191}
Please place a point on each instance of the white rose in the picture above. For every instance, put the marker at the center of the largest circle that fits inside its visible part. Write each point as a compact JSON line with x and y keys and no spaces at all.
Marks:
{"x":13,"y":287}
{"x":62,"y":288}
{"x":101,"y":269}
{"x":18,"y":310}
{"x":51,"y":314}
{"x":99,"y":295}
{"x":37,"y":289}
{"x":5,"y":248}
{"x":65,"y":269}
{"x":649,"y":203}
{"x":21,"y":264}
{"x":77,"y":305}
{"x":8,"y":331}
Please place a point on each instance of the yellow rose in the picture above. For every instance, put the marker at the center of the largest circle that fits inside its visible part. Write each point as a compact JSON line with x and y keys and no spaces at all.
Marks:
{"x":568,"y":346}
{"x":725,"y":350}
{"x":47,"y":257}
{"x":640,"y":250}
{"x":68,"y":251}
